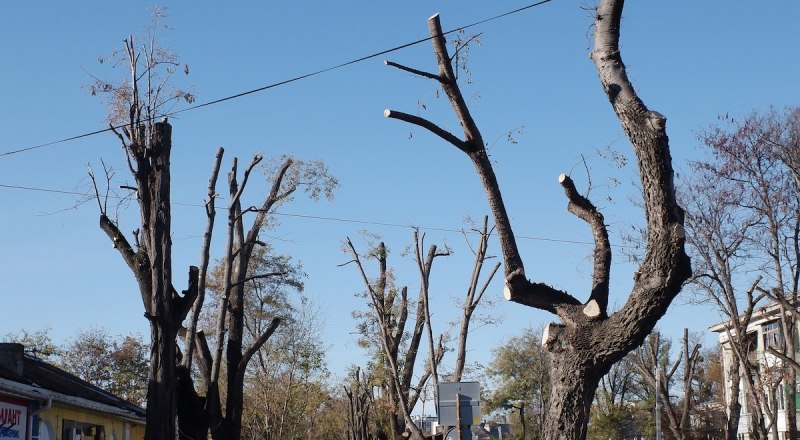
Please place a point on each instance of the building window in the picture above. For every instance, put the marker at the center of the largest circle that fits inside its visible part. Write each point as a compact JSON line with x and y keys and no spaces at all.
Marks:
{"x":73,"y":430}
{"x":772,"y":334}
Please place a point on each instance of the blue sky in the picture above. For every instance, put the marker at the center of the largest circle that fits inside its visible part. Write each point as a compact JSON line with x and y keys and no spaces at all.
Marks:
{"x":531,"y":75}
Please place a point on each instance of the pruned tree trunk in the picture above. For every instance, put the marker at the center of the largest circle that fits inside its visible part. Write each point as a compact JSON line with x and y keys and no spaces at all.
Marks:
{"x":390,"y":318}
{"x":358,"y":397}
{"x":734,"y":408}
{"x":587,"y":341}
{"x":147,"y":146}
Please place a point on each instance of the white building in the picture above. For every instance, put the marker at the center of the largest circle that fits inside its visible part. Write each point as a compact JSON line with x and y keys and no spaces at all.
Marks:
{"x":763,"y":331}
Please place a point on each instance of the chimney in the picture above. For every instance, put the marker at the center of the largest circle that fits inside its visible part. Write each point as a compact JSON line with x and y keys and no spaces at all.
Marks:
{"x":12,"y":356}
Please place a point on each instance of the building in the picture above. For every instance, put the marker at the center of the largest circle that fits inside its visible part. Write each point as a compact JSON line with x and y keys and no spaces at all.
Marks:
{"x":41,"y":402}
{"x":763,"y":331}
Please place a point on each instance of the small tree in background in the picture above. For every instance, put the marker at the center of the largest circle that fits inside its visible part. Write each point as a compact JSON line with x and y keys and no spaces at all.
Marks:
{"x":383,"y":330}
{"x":522,"y":370}
{"x":744,"y":207}
{"x":115,"y":364}
{"x":37,"y":343}
{"x":119,"y":365}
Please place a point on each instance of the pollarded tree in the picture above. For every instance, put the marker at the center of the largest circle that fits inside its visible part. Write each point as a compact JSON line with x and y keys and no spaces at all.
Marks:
{"x":147,"y":145}
{"x":251,"y":278}
{"x":135,"y":106}
{"x":588,"y":340}
{"x":383,"y":329}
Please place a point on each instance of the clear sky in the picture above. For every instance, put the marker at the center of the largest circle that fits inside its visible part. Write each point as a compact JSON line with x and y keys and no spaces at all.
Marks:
{"x":531,"y":75}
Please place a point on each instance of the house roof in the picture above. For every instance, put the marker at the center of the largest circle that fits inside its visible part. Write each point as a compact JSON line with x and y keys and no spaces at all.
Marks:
{"x":763,"y":313}
{"x":35,"y":379}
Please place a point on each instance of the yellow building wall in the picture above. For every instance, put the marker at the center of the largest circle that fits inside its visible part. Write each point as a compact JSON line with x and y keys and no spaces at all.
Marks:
{"x":112,"y":424}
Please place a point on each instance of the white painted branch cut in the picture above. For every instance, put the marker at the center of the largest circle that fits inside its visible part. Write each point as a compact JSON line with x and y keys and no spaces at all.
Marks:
{"x":592,"y":309}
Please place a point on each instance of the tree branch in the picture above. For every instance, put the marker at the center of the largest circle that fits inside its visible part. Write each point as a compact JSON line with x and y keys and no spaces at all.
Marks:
{"x":136,"y":261}
{"x":518,"y":288}
{"x":428,"y":125}
{"x":584,"y":209}
{"x":205,"y":253}
{"x":257,"y":344}
{"x":665,"y":266}
{"x":258,"y":277}
{"x":204,"y":357}
{"x":421,"y":73}
{"x":184,"y":303}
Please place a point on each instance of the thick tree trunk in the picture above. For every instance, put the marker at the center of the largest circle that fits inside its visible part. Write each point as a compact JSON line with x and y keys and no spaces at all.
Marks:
{"x":573,"y":381}
{"x":161,"y":401}
{"x":734,"y":408}
{"x":157,"y":243}
{"x":192,"y":421}
{"x":587,"y":341}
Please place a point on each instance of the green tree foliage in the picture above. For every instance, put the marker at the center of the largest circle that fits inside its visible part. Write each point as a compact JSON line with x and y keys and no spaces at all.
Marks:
{"x":521,"y":369}
{"x":37,"y":343}
{"x":118,"y":365}
{"x":286,"y":387}
{"x":265,"y":297}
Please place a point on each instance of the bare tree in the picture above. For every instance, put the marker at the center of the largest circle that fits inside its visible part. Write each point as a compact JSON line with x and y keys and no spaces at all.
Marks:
{"x":745,"y":224}
{"x":147,"y":145}
{"x":474,"y":295}
{"x":718,"y":231}
{"x":588,"y":341}
{"x":651,"y":359}
{"x":388,"y":316}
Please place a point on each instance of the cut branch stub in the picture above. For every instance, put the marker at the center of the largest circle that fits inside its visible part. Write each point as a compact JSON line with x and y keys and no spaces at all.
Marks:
{"x":592,"y":309}
{"x":584,"y":209}
{"x":551,"y":336}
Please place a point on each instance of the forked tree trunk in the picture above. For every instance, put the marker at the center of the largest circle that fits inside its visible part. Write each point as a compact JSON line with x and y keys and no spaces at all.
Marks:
{"x":588,"y":341}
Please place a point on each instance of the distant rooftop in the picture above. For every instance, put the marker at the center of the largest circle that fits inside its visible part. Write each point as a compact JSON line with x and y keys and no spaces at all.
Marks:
{"x":28,"y":377}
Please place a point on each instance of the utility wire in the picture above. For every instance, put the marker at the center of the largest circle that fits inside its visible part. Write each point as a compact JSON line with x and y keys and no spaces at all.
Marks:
{"x":321,"y":218}
{"x":281,"y":83}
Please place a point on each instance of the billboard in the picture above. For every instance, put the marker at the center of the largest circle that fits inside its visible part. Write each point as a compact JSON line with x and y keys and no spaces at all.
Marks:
{"x":13,"y":418}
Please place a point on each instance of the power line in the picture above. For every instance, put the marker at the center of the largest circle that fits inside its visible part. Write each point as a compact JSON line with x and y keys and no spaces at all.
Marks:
{"x":281,"y":83}
{"x":322,"y":218}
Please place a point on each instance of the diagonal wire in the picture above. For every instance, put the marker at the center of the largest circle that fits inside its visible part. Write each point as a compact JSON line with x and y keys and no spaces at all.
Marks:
{"x":280,"y":83}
